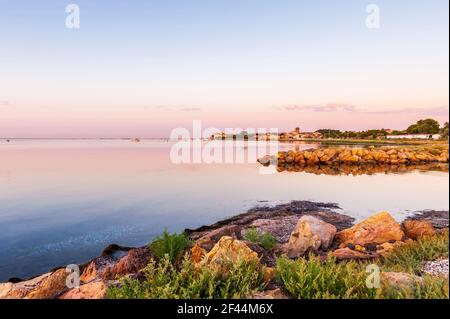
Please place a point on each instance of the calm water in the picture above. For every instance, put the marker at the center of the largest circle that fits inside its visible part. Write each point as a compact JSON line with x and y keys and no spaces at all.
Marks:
{"x":62,"y":202}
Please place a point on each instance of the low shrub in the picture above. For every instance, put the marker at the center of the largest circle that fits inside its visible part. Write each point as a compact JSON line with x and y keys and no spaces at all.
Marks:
{"x":163,"y":280}
{"x":410,"y":257}
{"x":265,"y":240}
{"x":172,"y":245}
{"x":429,"y":288}
{"x":313,"y":279}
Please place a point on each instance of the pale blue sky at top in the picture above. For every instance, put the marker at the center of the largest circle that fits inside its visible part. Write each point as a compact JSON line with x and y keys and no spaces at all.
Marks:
{"x":144,"y":67}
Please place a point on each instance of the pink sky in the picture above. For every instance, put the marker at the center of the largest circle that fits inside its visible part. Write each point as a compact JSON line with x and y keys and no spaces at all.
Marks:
{"x":163,"y":64}
{"x":158,"y":121}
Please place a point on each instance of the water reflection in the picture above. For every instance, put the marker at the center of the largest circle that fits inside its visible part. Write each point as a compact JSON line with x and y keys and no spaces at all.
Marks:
{"x":62,"y":202}
{"x":363,"y":169}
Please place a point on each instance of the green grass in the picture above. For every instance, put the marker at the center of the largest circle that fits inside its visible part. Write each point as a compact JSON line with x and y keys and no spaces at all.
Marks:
{"x":304,"y":278}
{"x":410,"y":257}
{"x":172,"y":245}
{"x":265,"y":240}
{"x":429,"y":288}
{"x":314,"y":279}
{"x":163,"y":280}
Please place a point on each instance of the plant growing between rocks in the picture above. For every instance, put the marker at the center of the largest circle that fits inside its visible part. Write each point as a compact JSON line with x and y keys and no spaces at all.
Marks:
{"x":428,"y":287}
{"x":164,"y":280}
{"x":313,"y":279}
{"x":410,"y":257}
{"x":172,"y":245}
{"x":265,"y":240}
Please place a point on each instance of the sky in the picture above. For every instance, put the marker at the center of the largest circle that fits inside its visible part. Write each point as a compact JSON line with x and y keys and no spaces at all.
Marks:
{"x":143,"y":68}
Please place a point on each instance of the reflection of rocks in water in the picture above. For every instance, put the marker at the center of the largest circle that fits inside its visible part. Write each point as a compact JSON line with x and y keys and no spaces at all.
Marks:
{"x":356,"y":156}
{"x":362,"y":169}
{"x":359,"y":161}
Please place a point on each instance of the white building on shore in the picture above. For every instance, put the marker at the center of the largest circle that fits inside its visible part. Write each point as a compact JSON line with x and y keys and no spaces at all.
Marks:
{"x":414,"y":137}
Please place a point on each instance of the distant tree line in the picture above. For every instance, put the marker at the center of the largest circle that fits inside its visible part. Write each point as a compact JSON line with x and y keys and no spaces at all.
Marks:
{"x":426,"y":126}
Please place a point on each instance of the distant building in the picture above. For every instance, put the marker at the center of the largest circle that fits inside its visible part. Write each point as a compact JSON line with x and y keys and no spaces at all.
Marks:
{"x":414,"y":137}
{"x":296,"y":134}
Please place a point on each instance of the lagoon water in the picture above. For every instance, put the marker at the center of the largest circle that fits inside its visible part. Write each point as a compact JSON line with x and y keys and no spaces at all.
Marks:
{"x":63,"y":201}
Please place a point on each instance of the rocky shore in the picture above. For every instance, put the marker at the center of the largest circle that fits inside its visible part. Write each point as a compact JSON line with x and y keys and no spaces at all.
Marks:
{"x":298,"y":229}
{"x":358,"y":156}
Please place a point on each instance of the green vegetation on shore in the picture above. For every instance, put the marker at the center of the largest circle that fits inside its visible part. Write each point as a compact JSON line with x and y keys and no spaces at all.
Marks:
{"x":309,"y":277}
{"x":265,"y":240}
{"x":409,"y":258}
{"x":168,"y":244}
{"x":424,"y":126}
{"x":313,"y":279}
{"x":374,"y":142}
{"x":163,"y":280}
{"x":428,"y":287}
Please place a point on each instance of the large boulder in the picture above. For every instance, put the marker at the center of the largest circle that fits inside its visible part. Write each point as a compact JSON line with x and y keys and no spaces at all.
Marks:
{"x":350,"y":254}
{"x":377,"y":229}
{"x":415,"y":229}
{"x":210,"y":238}
{"x":228,"y":251}
{"x":92,"y":290}
{"x":310,"y":233}
{"x":51,"y":286}
{"x":45,"y":286}
{"x":399,"y":279}
{"x":132,"y":263}
{"x":115,"y":260}
{"x":279,"y":228}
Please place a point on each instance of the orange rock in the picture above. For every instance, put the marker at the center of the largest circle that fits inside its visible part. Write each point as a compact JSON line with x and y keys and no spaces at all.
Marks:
{"x":399,"y":279}
{"x":50,"y":287}
{"x":21,"y":289}
{"x":197,"y":253}
{"x":347,"y":253}
{"x":208,"y":240}
{"x":92,"y":290}
{"x":310,"y":233}
{"x":133,"y":262}
{"x":387,"y":248}
{"x":89,"y":273}
{"x":229,"y":250}
{"x":377,"y":229}
{"x":269,"y":274}
{"x":417,"y":228}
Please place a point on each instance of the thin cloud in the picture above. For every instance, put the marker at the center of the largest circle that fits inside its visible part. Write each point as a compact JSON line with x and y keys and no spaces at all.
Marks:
{"x":174,"y":108}
{"x":436,"y":111}
{"x":155,"y":107}
{"x":5,"y":103}
{"x":338,"y":107}
{"x":330,"y":107}
{"x":190,"y":109}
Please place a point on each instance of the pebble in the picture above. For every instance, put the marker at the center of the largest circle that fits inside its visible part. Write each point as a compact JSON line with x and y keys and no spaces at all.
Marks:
{"x":436,"y":268}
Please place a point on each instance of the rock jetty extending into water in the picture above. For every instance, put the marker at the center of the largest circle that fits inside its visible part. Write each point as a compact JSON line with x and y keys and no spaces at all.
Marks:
{"x":358,"y":156}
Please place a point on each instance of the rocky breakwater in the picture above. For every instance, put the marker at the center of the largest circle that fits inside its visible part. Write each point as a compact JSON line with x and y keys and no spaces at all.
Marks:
{"x":334,"y":156}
